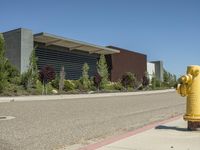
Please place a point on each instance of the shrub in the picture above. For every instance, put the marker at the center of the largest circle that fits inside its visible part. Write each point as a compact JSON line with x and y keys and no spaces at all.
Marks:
{"x":55,"y":82}
{"x":102,"y":70}
{"x":39,"y":87}
{"x":128,"y":80}
{"x":12,"y":71}
{"x":3,"y":81}
{"x":155,"y":83}
{"x":84,"y":80}
{"x":76,"y":83}
{"x":118,"y":86}
{"x":113,"y":86}
{"x":14,"y":90}
{"x":15,"y":80}
{"x":158,"y":83}
{"x":109,"y":86}
{"x":3,"y":61}
{"x":69,"y":85}
{"x":145,"y":81}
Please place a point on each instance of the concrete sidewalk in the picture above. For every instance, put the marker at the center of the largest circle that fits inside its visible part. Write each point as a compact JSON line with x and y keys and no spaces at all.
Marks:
{"x":157,"y":136}
{"x":75,"y":96}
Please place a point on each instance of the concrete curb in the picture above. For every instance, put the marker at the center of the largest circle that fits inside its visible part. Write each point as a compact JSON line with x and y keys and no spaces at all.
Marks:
{"x":77,"y":96}
{"x":128,"y":134}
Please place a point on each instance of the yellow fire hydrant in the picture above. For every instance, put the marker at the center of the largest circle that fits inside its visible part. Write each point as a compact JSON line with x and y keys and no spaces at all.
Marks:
{"x":189,"y":85}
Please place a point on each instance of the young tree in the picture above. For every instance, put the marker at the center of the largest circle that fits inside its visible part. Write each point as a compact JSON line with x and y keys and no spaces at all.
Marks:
{"x":29,"y":78}
{"x":3,"y":62}
{"x":85,"y":81}
{"x":62,"y":79}
{"x":169,"y":79}
{"x":102,"y":70}
{"x":46,"y":74}
{"x":97,"y":80}
{"x":166,"y":77}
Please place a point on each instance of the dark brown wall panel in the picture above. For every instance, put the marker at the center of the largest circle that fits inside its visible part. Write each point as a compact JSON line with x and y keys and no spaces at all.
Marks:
{"x":127,"y":61}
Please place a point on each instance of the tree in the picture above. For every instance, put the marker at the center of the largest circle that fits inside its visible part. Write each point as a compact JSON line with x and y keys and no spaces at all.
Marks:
{"x":97,"y":80}
{"x":3,"y":62}
{"x":102,"y":70}
{"x":29,"y":78}
{"x":62,"y":79}
{"x":166,"y":76}
{"x":169,"y":79}
{"x":46,"y":74}
{"x":85,"y":81}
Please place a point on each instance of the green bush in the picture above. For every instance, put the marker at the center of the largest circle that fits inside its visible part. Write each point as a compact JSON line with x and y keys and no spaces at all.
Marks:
{"x":109,"y":86}
{"x":14,"y":90}
{"x":69,"y":85}
{"x":118,"y":86}
{"x":55,"y":82}
{"x":3,"y":62}
{"x":3,"y":81}
{"x":158,"y":83}
{"x":15,"y":80}
{"x":39,"y":87}
{"x":128,"y":80}
{"x":113,"y":86}
{"x":12,"y":71}
{"x":24,"y":79}
{"x":76,"y":83}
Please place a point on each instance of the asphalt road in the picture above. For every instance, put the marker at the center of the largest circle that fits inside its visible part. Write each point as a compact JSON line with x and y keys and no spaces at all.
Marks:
{"x":46,"y":125}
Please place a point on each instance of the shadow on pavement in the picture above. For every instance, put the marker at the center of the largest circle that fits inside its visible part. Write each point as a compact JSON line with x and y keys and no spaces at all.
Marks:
{"x":170,"y":128}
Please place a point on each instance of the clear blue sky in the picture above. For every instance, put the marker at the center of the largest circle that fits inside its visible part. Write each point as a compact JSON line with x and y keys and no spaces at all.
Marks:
{"x":167,"y":30}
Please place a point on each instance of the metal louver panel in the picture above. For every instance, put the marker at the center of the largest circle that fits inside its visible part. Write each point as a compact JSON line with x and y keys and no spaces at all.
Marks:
{"x":72,"y":61}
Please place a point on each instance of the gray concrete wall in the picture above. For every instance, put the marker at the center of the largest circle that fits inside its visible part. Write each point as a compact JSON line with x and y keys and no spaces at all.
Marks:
{"x":13,"y":47}
{"x":19,"y":45}
{"x":26,"y":48}
{"x":158,"y":70}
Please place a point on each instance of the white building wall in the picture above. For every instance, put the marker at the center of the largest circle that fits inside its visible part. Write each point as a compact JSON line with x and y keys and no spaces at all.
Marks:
{"x":150,"y":70}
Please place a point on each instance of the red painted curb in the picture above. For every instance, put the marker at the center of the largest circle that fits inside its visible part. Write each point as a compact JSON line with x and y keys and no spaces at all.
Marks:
{"x":123,"y":136}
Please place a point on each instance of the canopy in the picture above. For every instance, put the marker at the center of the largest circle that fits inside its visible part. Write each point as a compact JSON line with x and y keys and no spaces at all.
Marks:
{"x":50,"y":39}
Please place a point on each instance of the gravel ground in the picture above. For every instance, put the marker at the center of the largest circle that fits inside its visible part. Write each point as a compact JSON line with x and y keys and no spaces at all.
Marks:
{"x":46,"y":125}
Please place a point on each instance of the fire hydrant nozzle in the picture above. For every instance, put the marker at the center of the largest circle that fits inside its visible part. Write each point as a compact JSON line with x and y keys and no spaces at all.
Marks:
{"x":186,"y":78}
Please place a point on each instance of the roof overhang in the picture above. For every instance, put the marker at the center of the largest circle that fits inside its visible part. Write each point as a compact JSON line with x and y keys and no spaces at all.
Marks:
{"x":49,"y":39}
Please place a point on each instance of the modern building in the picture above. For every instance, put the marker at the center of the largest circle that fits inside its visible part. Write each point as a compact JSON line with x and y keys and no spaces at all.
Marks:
{"x":150,"y":70}
{"x":72,"y":54}
{"x":52,"y":50}
{"x":155,"y":68}
{"x":126,"y":61}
